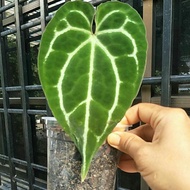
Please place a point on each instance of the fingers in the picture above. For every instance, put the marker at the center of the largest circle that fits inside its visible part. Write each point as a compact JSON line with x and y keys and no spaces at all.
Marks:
{"x":141,"y":112}
{"x":136,"y":151}
{"x":134,"y":141}
{"x":127,"y":142}
{"x":121,"y":127}
{"x":145,"y":132}
{"x":144,"y":112}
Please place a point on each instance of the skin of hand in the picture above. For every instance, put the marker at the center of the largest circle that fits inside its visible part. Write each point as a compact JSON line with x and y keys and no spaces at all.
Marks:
{"x":159,"y":149}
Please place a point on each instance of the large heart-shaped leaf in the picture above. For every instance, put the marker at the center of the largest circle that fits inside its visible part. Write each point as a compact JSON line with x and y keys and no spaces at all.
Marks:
{"x":91,"y":63}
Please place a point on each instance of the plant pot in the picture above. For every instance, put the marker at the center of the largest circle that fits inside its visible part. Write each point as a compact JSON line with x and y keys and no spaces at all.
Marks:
{"x":64,"y":163}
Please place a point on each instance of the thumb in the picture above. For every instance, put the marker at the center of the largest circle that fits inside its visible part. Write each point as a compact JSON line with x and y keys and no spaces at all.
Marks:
{"x":127,"y":142}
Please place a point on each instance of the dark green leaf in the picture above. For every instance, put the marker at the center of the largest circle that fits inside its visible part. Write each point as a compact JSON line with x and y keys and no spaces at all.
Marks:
{"x":91,"y":78}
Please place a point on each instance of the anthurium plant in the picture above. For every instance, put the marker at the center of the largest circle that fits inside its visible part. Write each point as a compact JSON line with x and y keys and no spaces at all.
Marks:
{"x":91,"y":63}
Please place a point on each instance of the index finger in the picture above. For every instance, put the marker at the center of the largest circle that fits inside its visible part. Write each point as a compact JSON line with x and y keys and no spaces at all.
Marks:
{"x":142,"y":112}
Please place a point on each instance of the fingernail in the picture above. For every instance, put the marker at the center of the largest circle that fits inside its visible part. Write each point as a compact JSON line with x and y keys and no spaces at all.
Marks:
{"x":114,"y":139}
{"x":123,"y":127}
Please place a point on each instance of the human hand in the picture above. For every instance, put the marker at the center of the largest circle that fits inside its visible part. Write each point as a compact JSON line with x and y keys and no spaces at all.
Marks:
{"x":158,"y":149}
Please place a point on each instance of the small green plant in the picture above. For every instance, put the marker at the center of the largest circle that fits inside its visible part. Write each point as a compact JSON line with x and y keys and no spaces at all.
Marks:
{"x":91,"y":63}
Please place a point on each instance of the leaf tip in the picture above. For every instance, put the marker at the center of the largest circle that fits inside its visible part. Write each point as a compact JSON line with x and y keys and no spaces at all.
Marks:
{"x":84,"y":172}
{"x":85,"y":169}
